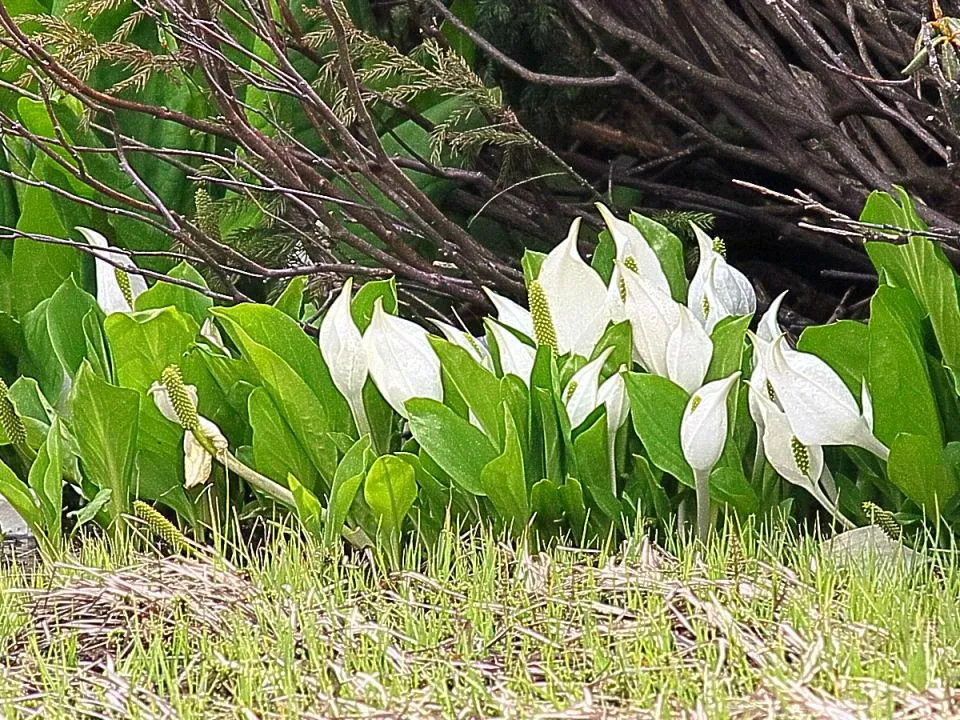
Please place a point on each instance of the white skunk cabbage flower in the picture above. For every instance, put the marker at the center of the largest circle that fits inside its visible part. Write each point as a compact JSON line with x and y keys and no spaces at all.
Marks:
{"x":211,"y":333}
{"x":511,"y":314}
{"x":576,"y":297}
{"x":634,"y":251}
{"x":717,"y":289}
{"x":202,"y":439}
{"x":580,"y":394}
{"x":798,"y":464}
{"x":516,"y":357}
{"x":613,"y":394}
{"x":464,"y":340}
{"x":703,"y":435}
{"x":689,"y":352}
{"x":117,"y":287}
{"x":341,"y":346}
{"x":819,"y":406}
{"x":401,"y":360}
{"x":653,"y":315}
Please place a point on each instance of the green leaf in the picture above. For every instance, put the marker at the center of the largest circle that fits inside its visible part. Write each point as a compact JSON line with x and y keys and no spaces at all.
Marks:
{"x":276,"y":451}
{"x":921,"y":266}
{"x":89,"y":511}
{"x":479,"y":387}
{"x":302,"y":410}
{"x":309,"y":509}
{"x":187,"y":300}
{"x":460,"y":43}
{"x":669,"y":250}
{"x":350,"y":473}
{"x":16,"y":492}
{"x":66,"y":311}
{"x":591,"y":450}
{"x":280,"y":335}
{"x":504,"y":481}
{"x":531,"y":263}
{"x":917,"y":468}
{"x":361,"y":308}
{"x":644,"y":491}
{"x":459,"y":448}
{"x":844,"y":345}
{"x":903,"y":397}
{"x":143,"y":343}
{"x":728,"y":346}
{"x":95,"y":346}
{"x":575,"y":509}
{"x":46,"y":481}
{"x":39,"y":359}
{"x":290,"y":301}
{"x":547,"y":507}
{"x":729,"y":485}
{"x":105,"y":421}
{"x":390,"y":489}
{"x":656,"y":407}
{"x":604,"y":256}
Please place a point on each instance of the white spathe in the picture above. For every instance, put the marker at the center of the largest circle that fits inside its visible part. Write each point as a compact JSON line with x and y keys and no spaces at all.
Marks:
{"x":703,"y":434}
{"x":511,"y":314}
{"x":631,"y":244}
{"x":689,"y":352}
{"x":819,"y":406}
{"x":717,"y":289}
{"x":464,"y":340}
{"x":400,"y":360}
{"x":197,"y":460}
{"x":653,"y":315}
{"x":580,"y":394}
{"x":109,"y":295}
{"x":703,"y":429}
{"x":516,"y":357}
{"x":613,"y":394}
{"x":342,"y":349}
{"x":576,"y":297}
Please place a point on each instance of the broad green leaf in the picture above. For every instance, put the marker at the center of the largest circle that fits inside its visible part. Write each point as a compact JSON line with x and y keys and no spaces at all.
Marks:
{"x":504,"y":481}
{"x":105,"y":421}
{"x":644,"y":491}
{"x":478,"y":387}
{"x":604,"y":255}
{"x":669,"y":250}
{"x":844,"y":345}
{"x":290,"y":301}
{"x":309,"y":509}
{"x":730,"y":486}
{"x":619,"y":337}
{"x":551,"y":439}
{"x":46,"y":481}
{"x":39,"y":359}
{"x":95,"y":346}
{"x":591,"y":451}
{"x":187,"y":300}
{"x":921,"y":266}
{"x":916,"y":467}
{"x":276,"y":451}
{"x":346,"y":482}
{"x":16,"y":492}
{"x":547,"y":507}
{"x":390,"y":489}
{"x":571,"y":495}
{"x":361,"y":307}
{"x":656,"y":407}
{"x":460,"y":449}
{"x":90,"y":511}
{"x":303,"y":411}
{"x":728,"y":346}
{"x":903,"y":398}
{"x":282,"y":336}
{"x":65,"y":313}
{"x":460,"y":43}
{"x":143,"y":344}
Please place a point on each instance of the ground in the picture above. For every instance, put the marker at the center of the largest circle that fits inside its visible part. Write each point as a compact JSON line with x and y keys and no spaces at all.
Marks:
{"x":758,"y":625}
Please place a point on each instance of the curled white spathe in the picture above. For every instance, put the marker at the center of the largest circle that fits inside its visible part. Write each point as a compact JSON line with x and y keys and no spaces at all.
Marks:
{"x":341,"y":346}
{"x":400,"y":360}
{"x":576,"y":297}
{"x":109,"y":295}
{"x":703,"y":430}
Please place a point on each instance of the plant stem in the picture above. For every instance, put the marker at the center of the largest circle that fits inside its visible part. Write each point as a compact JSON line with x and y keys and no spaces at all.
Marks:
{"x":255,"y":479}
{"x":701,"y":479}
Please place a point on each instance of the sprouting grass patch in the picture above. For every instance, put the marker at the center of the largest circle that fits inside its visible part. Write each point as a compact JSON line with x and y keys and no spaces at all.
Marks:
{"x":474,"y":628}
